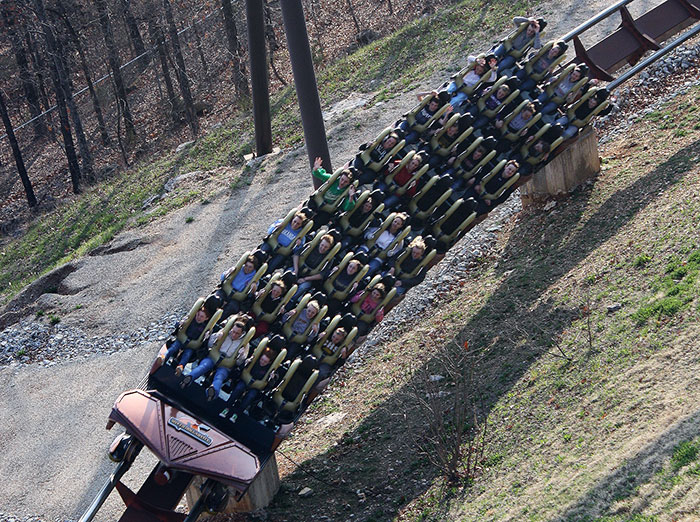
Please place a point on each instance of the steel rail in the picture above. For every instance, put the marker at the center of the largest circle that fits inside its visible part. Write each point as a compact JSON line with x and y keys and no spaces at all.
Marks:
{"x":658,"y":54}
{"x":118,"y":473}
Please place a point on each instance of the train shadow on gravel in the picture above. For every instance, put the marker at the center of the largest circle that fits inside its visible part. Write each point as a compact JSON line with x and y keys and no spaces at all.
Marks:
{"x":373,"y":471}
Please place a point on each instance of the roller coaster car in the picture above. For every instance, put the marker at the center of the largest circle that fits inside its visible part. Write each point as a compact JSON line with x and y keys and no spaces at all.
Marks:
{"x":190,"y":437}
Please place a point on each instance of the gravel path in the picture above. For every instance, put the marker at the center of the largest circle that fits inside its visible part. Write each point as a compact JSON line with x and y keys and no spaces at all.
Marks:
{"x":60,"y":380}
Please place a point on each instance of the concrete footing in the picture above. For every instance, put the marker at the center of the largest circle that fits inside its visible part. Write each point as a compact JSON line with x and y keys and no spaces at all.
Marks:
{"x":578,"y":163}
{"x":258,"y":496}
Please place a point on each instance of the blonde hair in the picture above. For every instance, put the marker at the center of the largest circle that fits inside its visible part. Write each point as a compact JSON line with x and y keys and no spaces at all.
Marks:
{"x":417,"y":242}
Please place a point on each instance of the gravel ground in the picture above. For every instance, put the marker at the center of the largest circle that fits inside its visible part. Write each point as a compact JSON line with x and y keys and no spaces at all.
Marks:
{"x":60,"y":380}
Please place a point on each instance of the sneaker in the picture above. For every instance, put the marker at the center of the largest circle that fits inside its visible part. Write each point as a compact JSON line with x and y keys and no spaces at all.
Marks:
{"x":179,"y":369}
{"x":210,"y":393}
{"x":186,"y":381}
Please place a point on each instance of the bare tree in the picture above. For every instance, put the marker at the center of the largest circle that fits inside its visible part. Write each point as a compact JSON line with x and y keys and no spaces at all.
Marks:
{"x":240,"y":78}
{"x":76,"y":39}
{"x":158,"y":40}
{"x":444,"y":404}
{"x":28,"y":190}
{"x":57,"y":76}
{"x":115,"y":66}
{"x":39,"y":69}
{"x":67,"y":86}
{"x":10,"y":15}
{"x":181,"y":72}
{"x":132,"y":27}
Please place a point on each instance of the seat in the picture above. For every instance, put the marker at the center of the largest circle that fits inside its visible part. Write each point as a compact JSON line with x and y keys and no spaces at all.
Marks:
{"x":411,"y":115}
{"x":571,"y":112}
{"x":226,"y":283}
{"x":458,"y":77}
{"x":455,"y":119}
{"x":296,"y":384}
{"x":551,"y":88}
{"x":469,"y":173}
{"x":433,"y":194}
{"x":528,"y":66}
{"x":508,"y":42}
{"x":287,"y":326}
{"x":328,"y":286}
{"x":457,"y":209}
{"x":366,"y":159}
{"x":344,"y":220}
{"x":304,"y":270}
{"x":320,"y":192}
{"x":269,"y":317}
{"x":545,"y":133}
{"x":371,"y":242}
{"x":182,"y":330}
{"x":271,"y":240}
{"x":399,"y":273}
{"x":322,"y":354}
{"x":229,"y":361}
{"x":448,"y":232}
{"x":389,"y":178}
{"x":494,"y":171}
{"x":259,"y":384}
{"x":481,"y":102}
{"x":356,"y":306}
{"x":515,"y":136}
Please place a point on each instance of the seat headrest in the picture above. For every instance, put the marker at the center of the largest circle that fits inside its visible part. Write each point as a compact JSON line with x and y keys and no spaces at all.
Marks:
{"x":348,"y":321}
{"x":277,"y":343}
{"x":320,"y":298}
{"x":212,"y":303}
{"x":362,"y":257}
{"x":289,"y":278}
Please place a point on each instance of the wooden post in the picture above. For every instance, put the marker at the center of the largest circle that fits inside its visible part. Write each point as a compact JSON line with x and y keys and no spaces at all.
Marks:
{"x":578,"y":163}
{"x":258,"y":76}
{"x":305,"y":83}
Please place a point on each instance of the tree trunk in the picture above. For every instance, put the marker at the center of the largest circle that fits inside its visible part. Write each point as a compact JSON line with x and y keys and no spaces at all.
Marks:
{"x":114,"y":65}
{"x":240,"y":77}
{"x":67,"y":86}
{"x":30,"y":92}
{"x":132,"y":28}
{"x":39,"y":69}
{"x":272,"y":44}
{"x":28,"y":190}
{"x":181,"y":75}
{"x":75,"y":37}
{"x":158,"y":40}
{"x":198,"y":43}
{"x":354,"y":18}
{"x":54,"y":65}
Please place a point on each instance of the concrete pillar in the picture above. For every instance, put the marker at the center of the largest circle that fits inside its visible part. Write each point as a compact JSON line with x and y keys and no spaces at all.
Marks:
{"x":578,"y":163}
{"x":258,"y":496}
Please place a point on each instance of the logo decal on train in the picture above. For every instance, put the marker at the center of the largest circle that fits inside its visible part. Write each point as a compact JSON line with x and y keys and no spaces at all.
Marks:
{"x":189,"y":429}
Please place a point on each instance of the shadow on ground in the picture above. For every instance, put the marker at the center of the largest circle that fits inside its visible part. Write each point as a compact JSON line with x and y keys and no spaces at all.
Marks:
{"x":375,"y":470}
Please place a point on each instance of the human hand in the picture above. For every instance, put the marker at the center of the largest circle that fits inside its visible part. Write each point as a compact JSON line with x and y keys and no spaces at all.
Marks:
{"x":317,"y":163}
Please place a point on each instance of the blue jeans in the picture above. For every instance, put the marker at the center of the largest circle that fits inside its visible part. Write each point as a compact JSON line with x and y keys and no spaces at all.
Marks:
{"x":303,"y":287}
{"x":174,"y":348}
{"x":410,"y":136}
{"x":205,"y":367}
{"x":250,"y":397}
